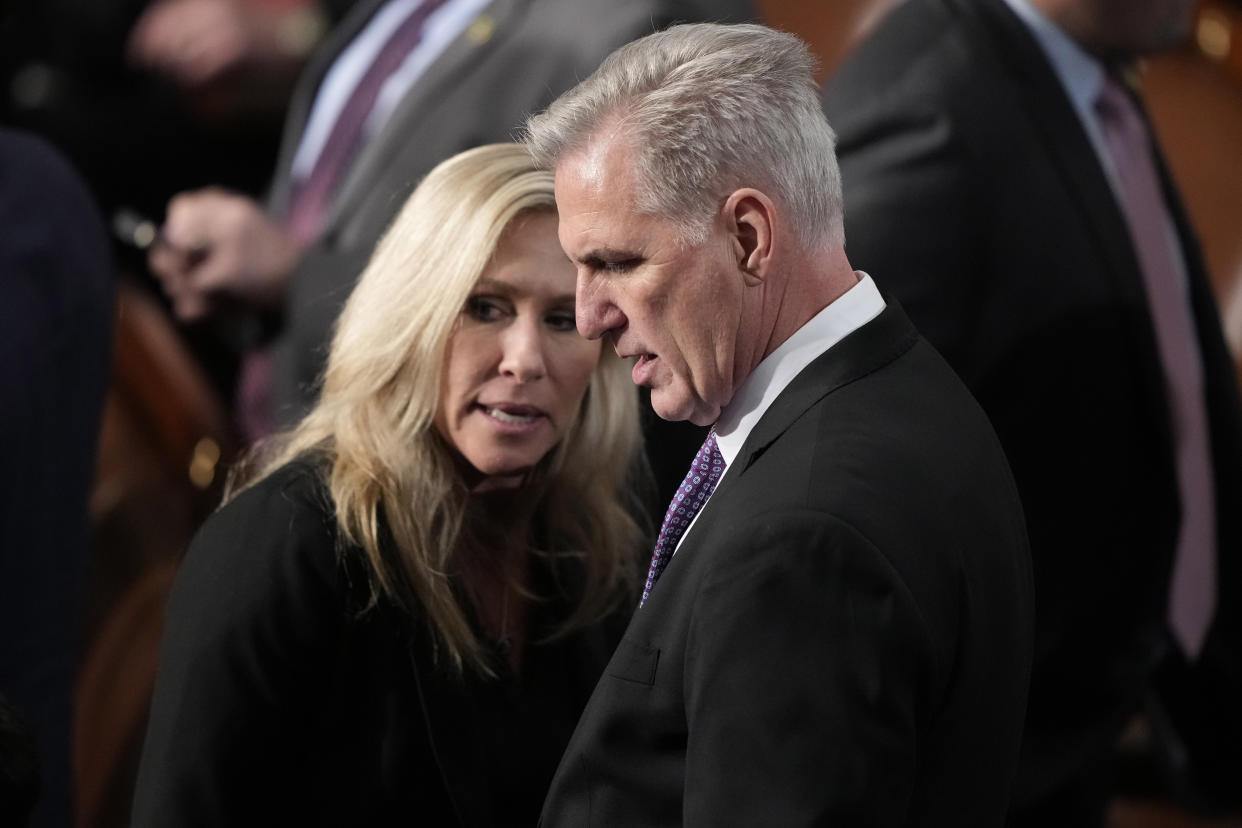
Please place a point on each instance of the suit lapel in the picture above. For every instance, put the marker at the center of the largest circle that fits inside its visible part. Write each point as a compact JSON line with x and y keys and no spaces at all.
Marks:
{"x":1062,"y":133}
{"x":1219,"y":369}
{"x":862,"y":352}
{"x":490,"y":29}
{"x":1058,"y":128}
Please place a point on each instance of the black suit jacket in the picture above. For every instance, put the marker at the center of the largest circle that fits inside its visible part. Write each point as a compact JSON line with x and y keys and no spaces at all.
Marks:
{"x":56,"y":305}
{"x":973,"y":194}
{"x":844,"y":636}
{"x":279,"y":701}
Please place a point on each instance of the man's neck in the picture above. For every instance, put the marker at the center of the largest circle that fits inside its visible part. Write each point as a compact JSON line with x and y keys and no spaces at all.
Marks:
{"x":812,"y":282}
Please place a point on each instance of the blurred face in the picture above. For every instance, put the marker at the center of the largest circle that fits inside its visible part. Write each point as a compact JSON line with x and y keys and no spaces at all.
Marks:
{"x":677,"y":310}
{"x":1123,"y":29}
{"x":516,"y":369}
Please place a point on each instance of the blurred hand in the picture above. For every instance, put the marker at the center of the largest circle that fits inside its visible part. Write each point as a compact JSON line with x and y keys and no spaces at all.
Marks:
{"x":195,"y":42}
{"x":218,"y":248}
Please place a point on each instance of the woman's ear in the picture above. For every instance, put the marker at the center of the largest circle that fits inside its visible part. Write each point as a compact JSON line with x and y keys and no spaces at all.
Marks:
{"x":749,"y":217}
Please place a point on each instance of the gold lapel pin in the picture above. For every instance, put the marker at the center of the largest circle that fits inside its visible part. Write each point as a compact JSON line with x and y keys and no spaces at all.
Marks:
{"x":481,"y":30}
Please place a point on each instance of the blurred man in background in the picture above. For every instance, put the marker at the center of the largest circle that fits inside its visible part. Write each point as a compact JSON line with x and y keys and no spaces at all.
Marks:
{"x":1002,"y":180}
{"x":56,"y":299}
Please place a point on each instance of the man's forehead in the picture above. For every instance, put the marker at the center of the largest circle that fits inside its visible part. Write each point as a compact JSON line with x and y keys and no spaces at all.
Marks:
{"x":582,"y":169}
{"x":594,"y":199}
{"x":601,"y":165}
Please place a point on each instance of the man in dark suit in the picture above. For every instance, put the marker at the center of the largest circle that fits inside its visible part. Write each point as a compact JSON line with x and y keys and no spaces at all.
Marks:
{"x":843,"y":635}
{"x":56,"y":299}
{"x":990,"y":190}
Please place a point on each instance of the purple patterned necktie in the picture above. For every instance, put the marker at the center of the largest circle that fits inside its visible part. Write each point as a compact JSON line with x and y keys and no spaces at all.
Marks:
{"x":699,"y":484}
{"x":1192,"y":591}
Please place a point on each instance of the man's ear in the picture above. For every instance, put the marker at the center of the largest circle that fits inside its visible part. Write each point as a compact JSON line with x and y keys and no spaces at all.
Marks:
{"x":749,"y":217}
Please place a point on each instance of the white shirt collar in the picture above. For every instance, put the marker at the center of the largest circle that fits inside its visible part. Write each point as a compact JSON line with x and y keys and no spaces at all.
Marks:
{"x":853,"y":309}
{"x":849,"y":312}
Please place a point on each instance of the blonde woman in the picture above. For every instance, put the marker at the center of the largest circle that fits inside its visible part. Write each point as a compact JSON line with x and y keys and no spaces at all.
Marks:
{"x":400,"y":615}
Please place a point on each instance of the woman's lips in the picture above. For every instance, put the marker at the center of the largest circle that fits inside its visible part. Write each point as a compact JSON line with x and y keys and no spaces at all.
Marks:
{"x":513,"y":418}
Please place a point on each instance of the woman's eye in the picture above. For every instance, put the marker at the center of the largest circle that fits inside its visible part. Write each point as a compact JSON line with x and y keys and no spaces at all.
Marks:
{"x":484,"y":309}
{"x":562,"y":321}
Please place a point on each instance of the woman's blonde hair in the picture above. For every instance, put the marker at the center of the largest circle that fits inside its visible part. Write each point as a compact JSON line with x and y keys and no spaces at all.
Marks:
{"x":393,"y":479}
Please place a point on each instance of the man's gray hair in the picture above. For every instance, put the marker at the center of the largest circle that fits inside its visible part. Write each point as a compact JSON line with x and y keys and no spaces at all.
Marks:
{"x":706,"y":109}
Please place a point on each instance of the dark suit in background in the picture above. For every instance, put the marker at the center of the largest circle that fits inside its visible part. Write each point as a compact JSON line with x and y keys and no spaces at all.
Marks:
{"x":974,"y":195}
{"x":56,"y":292}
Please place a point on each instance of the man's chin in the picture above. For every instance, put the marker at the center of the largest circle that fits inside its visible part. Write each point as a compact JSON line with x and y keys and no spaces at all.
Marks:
{"x":680,"y":409}
{"x":704,"y":419}
{"x":668,"y":409}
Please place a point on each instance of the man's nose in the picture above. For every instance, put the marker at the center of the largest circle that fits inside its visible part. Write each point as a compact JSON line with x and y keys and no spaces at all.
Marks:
{"x":594,"y":314}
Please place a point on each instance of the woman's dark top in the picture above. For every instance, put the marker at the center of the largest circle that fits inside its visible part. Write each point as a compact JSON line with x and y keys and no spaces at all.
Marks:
{"x":279,"y":701}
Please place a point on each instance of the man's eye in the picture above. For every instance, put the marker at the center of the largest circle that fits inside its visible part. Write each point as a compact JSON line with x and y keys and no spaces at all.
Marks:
{"x":611,"y":266}
{"x":619,"y":266}
{"x":484,"y":309}
{"x":562,"y":321}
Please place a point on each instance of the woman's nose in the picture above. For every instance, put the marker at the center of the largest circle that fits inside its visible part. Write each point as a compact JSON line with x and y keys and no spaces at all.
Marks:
{"x":523,"y":352}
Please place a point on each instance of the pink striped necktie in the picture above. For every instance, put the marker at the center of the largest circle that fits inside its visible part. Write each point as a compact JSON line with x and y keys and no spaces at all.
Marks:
{"x":1192,"y":592}
{"x":312,"y":197}
{"x":694,"y":491}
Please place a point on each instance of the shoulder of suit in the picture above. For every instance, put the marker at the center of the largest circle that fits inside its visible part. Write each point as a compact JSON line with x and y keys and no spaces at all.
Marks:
{"x":296,"y":488}
{"x":923,"y":50}
{"x":38,"y":184}
{"x":283,"y":523}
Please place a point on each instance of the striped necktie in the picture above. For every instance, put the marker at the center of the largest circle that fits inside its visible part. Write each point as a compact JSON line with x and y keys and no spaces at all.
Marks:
{"x":1192,"y":591}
